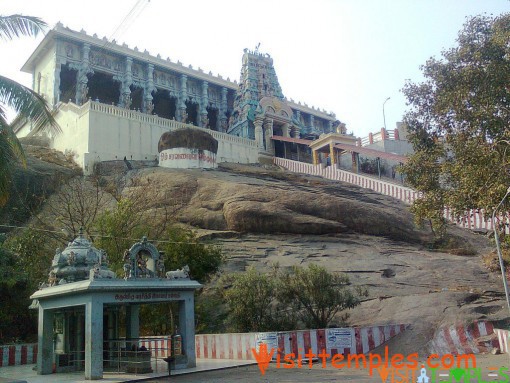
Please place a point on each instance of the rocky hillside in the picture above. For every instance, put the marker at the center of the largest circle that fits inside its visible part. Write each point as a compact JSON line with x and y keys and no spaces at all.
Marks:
{"x":266,"y":215}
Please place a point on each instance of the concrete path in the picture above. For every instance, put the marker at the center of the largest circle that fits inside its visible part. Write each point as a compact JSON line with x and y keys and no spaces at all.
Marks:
{"x":26,"y":373}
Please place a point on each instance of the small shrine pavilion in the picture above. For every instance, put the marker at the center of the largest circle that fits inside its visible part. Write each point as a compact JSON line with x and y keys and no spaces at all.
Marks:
{"x":79,"y":307}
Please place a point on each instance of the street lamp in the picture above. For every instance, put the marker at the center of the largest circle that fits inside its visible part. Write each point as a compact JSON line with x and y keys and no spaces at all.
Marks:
{"x":498,"y":248}
{"x":384,"y":116}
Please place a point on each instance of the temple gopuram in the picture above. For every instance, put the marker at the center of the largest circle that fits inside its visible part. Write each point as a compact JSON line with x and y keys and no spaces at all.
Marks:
{"x":114,"y":102}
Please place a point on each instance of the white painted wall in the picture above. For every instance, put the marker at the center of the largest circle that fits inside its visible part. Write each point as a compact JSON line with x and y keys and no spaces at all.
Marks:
{"x":97,"y":132}
{"x":46,"y":66}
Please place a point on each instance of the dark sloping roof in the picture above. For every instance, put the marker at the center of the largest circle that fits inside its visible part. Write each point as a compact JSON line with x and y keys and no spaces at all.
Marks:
{"x":290,"y":139}
{"x":371,"y":152}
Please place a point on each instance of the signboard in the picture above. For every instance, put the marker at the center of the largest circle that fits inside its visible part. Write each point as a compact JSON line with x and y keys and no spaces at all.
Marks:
{"x":145,"y":296}
{"x":269,"y":338}
{"x":338,"y":338}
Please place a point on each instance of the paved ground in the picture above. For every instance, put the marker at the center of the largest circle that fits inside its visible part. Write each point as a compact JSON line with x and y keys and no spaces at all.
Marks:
{"x":251,"y":374}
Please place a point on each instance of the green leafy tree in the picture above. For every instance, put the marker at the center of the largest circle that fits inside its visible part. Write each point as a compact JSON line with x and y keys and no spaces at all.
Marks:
{"x":458,"y":124}
{"x":118,"y":229}
{"x":29,"y":105}
{"x":182,"y":247}
{"x":251,"y":299}
{"x":24,"y":263}
{"x":316,"y":295}
{"x":279,"y":300}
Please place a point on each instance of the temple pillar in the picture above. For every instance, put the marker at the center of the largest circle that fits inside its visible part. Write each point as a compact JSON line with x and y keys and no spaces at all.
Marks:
{"x":80,"y":326}
{"x":181,"y":114}
{"x":295,"y":132}
{"x":332,"y":154}
{"x":203,"y":121}
{"x":93,"y":340}
{"x":259,"y":136}
{"x":125,"y":93}
{"x":82,"y":80}
{"x":132,"y":323}
{"x":187,"y":328}
{"x":285,"y":130}
{"x":45,"y":342}
{"x":315,"y":157}
{"x":223,"y":110}
{"x":330,"y":126}
{"x":312,"y":123}
{"x":268,"y":133}
{"x":148,"y":106}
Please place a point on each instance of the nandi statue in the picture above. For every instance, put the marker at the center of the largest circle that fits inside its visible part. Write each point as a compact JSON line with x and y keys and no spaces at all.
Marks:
{"x":97,"y":273}
{"x":179,"y":273}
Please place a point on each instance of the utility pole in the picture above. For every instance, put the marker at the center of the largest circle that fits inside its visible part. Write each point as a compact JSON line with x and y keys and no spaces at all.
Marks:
{"x":384,"y":116}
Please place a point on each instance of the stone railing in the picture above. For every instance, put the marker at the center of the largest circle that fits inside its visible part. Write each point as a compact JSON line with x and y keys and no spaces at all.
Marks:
{"x":473,"y":219}
{"x":155,"y":120}
{"x":383,"y":134}
{"x":402,"y":193}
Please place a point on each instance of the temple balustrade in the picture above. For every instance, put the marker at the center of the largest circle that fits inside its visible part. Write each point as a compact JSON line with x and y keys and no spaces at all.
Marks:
{"x":96,"y":132}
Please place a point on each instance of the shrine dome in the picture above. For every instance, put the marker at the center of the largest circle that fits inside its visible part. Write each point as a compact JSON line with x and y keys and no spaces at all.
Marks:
{"x":76,"y":261}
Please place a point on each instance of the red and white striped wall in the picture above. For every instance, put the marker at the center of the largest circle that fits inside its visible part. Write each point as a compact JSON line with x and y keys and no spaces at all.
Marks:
{"x":239,"y":346}
{"x":16,"y":355}
{"x":159,"y":346}
{"x":473,"y":219}
{"x":464,"y":339}
{"x":503,"y":339}
{"x":225,"y":346}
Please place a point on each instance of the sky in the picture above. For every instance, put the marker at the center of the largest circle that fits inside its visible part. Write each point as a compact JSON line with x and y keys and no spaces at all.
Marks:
{"x":344,"y":56}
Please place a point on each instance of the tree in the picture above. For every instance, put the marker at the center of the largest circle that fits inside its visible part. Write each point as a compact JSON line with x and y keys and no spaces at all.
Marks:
{"x":316,"y":295}
{"x":279,"y":300}
{"x":28,"y":104}
{"x":182,"y":247}
{"x":24,"y":263}
{"x":459,"y":124}
{"x":251,"y":299}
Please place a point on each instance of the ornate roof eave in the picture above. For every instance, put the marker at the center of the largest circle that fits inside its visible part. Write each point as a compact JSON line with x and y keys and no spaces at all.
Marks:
{"x":60,"y":31}
{"x":307,"y":109}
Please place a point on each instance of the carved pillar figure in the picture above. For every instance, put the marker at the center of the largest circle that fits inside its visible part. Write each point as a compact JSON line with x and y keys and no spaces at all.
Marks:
{"x":82,"y":80}
{"x":125,"y":94}
{"x":204,"y":101}
{"x":259,"y":136}
{"x":268,"y":132}
{"x":148,"y":106}
{"x":223,"y":110}
{"x":181,"y":102}
{"x":285,"y":130}
{"x":295,"y":132}
{"x":312,"y":123}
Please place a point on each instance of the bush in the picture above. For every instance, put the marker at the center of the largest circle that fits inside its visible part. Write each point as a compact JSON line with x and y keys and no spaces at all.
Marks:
{"x":280,"y":300}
